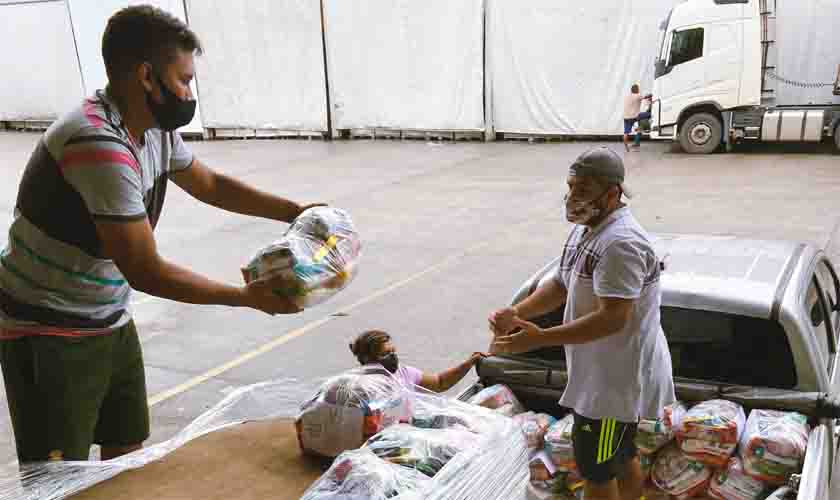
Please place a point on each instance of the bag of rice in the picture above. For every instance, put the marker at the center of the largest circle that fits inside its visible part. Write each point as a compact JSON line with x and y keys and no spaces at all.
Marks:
{"x":773,"y":446}
{"x":709,"y":432}
{"x":678,"y":475}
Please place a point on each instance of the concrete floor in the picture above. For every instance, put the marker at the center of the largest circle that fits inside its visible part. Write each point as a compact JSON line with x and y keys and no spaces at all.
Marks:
{"x":450,"y":231}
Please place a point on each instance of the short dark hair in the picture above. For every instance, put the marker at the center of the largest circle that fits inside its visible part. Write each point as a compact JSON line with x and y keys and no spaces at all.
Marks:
{"x":143,"y":33}
{"x":368,"y":344}
{"x":634,"y":88}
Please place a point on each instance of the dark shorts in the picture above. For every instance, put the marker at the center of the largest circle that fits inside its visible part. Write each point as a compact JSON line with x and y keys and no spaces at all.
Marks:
{"x":628,"y":125}
{"x":603,"y":447}
{"x":66,"y":393}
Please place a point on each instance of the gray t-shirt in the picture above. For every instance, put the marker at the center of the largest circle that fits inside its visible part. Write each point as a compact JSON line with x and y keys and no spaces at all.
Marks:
{"x":625,"y":376}
{"x":54,"y":278}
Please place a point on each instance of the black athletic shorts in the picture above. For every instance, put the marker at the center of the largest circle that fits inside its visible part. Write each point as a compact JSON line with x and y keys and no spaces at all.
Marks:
{"x":603,"y":447}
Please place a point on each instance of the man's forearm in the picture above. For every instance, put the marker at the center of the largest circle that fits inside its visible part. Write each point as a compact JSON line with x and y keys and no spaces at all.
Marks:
{"x":452,"y":376}
{"x":170,"y":281}
{"x":547,"y":298}
{"x":588,"y":328}
{"x":236,"y":196}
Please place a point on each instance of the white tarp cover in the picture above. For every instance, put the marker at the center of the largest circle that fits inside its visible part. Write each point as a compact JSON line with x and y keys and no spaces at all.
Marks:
{"x":562,"y":67}
{"x":39,"y":72}
{"x":806,"y":46}
{"x":263,"y":65}
{"x":405,"y":64}
{"x":89,"y":20}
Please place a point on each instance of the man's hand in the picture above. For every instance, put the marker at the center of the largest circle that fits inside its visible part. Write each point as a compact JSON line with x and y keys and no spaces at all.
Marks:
{"x":502,"y":321}
{"x":260,"y":295}
{"x":477,"y":356}
{"x":530,"y":338}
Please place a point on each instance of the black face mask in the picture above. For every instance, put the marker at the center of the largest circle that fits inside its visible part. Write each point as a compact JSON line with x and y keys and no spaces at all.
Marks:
{"x":390,"y":361}
{"x":173,"y":112}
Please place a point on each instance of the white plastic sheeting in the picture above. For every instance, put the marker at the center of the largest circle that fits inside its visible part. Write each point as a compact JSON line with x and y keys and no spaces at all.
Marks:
{"x":562,"y":67}
{"x":89,"y":20}
{"x":806,"y":46}
{"x":39,"y":72}
{"x":405,"y":64}
{"x":264,"y":64}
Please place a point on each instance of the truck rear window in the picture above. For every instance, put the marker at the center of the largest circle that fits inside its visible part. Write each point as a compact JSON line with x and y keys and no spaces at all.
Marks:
{"x":728,"y":348}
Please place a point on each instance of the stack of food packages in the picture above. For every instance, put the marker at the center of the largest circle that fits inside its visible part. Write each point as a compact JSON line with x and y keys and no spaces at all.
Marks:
{"x":720,"y":453}
{"x":390,"y":441}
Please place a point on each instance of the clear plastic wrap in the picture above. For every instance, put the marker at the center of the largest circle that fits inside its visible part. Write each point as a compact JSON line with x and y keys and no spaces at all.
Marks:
{"x":710,"y":431}
{"x":493,"y":467}
{"x":316,"y":257}
{"x":676,"y":474}
{"x":349,"y":409}
{"x":773,"y":445}
{"x":734,"y":484}
{"x":652,"y":435}
{"x":360,"y":474}
{"x":424,"y":450}
{"x":499,"y":398}
{"x":534,"y":427}
{"x":558,"y":444}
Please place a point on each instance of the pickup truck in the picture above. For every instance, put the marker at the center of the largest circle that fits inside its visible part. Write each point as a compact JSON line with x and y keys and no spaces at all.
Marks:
{"x":755,"y":322}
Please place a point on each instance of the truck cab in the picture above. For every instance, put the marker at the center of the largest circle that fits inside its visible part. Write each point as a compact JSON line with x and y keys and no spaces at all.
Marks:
{"x":712,"y":69}
{"x":756,"y":322}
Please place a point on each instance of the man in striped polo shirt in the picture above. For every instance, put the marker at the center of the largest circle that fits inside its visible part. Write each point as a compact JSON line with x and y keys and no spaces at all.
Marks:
{"x":82,"y":238}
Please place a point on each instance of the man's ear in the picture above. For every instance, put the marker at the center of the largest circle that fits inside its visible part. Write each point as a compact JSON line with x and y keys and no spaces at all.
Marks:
{"x":145,"y":76}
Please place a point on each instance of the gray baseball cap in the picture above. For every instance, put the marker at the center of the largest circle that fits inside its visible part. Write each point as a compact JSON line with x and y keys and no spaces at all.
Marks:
{"x":601,"y":162}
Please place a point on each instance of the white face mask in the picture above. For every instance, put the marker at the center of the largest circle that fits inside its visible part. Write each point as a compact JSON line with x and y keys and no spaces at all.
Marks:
{"x":582,"y":212}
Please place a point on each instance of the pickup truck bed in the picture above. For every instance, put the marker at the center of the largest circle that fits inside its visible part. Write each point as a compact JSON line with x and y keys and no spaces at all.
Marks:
{"x":256,"y":460}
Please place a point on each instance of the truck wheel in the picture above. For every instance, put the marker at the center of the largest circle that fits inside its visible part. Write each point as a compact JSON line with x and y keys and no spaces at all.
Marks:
{"x":701,"y":134}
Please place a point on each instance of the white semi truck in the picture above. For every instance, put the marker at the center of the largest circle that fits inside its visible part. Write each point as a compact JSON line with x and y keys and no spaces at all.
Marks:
{"x":714,"y":75}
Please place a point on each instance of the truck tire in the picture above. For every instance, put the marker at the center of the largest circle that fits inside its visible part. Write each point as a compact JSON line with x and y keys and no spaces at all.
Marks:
{"x":701,"y":133}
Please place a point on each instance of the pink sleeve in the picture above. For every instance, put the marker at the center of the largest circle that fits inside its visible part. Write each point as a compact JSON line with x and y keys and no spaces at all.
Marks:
{"x":410,"y":375}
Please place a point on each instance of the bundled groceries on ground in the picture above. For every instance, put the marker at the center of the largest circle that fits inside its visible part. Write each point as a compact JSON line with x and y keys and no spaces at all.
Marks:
{"x":424,"y":447}
{"x":316,"y":258}
{"x":349,"y":409}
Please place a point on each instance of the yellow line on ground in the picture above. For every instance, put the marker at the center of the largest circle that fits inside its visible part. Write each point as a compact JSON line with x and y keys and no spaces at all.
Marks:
{"x":244,"y":358}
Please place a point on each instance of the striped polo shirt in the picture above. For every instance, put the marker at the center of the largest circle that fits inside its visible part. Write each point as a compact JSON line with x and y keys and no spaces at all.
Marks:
{"x":54,"y":278}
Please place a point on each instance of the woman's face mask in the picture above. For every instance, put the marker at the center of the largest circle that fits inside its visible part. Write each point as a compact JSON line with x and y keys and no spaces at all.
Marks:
{"x":390,"y":361}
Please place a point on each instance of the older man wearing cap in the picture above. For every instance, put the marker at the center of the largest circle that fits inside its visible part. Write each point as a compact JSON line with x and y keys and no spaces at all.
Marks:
{"x":619,"y":366}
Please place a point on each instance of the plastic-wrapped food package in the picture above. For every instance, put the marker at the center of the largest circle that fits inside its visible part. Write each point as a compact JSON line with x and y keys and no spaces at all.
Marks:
{"x":710,"y":431}
{"x":359,"y":474}
{"x":773,"y":445}
{"x":654,"y":434}
{"x":425,"y":450}
{"x":500,"y":398}
{"x":542,"y":468}
{"x":318,"y":255}
{"x":558,"y":444}
{"x":495,"y":468}
{"x":733,"y":483}
{"x":678,"y":475}
{"x":534,"y":426}
{"x":349,"y":409}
